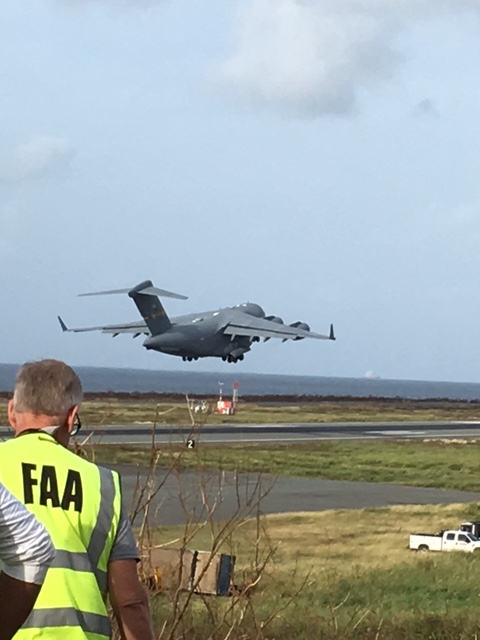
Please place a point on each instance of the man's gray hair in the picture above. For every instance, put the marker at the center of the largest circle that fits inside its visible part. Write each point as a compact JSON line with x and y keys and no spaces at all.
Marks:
{"x":46,"y":387}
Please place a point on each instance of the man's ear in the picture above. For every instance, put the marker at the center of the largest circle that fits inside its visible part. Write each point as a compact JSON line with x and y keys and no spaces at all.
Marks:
{"x":12,"y":418}
{"x":71,"y":417}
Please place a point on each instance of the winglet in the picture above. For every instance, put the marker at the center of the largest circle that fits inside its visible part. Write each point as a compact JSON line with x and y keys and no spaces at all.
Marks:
{"x":332,"y":334}
{"x":62,"y":324}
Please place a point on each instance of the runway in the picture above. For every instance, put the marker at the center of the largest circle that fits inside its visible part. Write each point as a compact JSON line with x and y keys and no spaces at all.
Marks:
{"x":282,"y":433}
{"x":141,"y":434}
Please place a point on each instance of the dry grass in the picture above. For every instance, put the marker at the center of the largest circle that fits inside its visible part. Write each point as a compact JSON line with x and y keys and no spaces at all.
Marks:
{"x":341,"y":541}
{"x":342,"y":575}
{"x":120,"y":411}
{"x":335,"y":575}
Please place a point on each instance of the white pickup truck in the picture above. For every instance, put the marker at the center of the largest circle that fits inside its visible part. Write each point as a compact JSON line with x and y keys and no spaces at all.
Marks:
{"x":444,"y":541}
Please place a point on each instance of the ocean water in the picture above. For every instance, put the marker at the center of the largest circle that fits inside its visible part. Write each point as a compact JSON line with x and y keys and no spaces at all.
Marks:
{"x":97,"y":379}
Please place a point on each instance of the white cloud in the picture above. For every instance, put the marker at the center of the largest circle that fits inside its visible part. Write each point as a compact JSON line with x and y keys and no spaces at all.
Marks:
{"x":314,"y":57}
{"x":36,"y":158}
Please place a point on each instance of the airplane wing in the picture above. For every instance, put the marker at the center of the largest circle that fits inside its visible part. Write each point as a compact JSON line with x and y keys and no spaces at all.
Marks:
{"x":250,"y":326}
{"x":134,"y":327}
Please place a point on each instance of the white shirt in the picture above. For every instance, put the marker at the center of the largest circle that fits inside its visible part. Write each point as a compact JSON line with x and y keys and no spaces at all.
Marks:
{"x":26,"y":550}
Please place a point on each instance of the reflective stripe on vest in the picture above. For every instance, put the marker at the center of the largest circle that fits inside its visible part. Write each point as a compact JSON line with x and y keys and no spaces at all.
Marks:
{"x":79,"y":562}
{"x":103,"y":525}
{"x":89,"y":560}
{"x":88,"y":622}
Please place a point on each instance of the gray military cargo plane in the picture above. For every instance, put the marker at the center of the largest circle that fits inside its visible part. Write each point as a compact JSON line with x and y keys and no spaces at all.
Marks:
{"x":226,"y":333}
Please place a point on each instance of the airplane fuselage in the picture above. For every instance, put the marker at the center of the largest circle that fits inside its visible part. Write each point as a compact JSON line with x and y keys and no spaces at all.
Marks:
{"x":226,"y":333}
{"x":200,"y":335}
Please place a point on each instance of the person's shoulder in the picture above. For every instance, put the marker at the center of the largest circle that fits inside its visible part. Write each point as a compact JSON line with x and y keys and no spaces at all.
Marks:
{"x":79,"y":461}
{"x":90,"y":467}
{"x":107,"y":470}
{"x":88,"y":464}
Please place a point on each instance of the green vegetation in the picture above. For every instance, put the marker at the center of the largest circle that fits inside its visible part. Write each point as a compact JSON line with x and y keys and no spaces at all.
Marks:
{"x":339,"y":574}
{"x":433,"y":463}
{"x":335,"y":575}
{"x":116,"y":410}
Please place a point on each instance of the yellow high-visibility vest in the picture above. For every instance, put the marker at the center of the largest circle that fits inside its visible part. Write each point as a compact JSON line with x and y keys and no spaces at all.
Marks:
{"x":80,"y":504}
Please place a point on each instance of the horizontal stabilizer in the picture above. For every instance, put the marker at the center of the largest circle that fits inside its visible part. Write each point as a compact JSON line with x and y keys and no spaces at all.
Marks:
{"x":148,"y":290}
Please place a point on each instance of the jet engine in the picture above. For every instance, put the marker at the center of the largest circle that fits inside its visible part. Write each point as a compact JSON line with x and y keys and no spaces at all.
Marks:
{"x":300,"y":325}
{"x":275,"y":319}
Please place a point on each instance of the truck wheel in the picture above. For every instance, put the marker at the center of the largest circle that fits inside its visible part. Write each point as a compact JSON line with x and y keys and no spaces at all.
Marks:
{"x":423,"y":548}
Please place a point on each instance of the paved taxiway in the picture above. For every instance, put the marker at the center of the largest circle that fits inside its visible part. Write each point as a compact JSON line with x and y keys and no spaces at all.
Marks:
{"x":231,"y":496}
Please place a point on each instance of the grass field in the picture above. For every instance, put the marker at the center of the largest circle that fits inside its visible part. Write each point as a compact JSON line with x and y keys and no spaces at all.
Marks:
{"x":433,"y":463}
{"x":321,"y":411}
{"x":340,"y":574}
{"x":337,"y":575}
{"x":120,"y":411}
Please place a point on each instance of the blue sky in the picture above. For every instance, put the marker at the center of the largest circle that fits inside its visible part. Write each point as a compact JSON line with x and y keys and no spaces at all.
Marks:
{"x":318,"y":157}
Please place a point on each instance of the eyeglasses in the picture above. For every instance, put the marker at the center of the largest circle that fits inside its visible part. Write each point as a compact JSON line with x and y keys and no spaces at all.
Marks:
{"x":77,"y":425}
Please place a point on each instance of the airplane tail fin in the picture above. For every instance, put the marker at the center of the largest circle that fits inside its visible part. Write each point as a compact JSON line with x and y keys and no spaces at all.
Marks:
{"x":150,"y":307}
{"x":145,"y":296}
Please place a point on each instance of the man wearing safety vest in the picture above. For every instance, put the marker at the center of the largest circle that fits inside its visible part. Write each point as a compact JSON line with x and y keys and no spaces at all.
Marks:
{"x":80,"y":505}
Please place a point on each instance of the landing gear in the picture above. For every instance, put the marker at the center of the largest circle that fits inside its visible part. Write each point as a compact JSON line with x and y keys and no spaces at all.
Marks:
{"x":189,"y":358}
{"x":231,"y":358}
